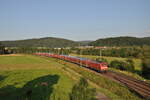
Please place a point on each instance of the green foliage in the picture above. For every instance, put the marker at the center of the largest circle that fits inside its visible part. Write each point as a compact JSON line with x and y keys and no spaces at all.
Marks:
{"x":146,"y":52}
{"x":122,"y":65}
{"x":81,"y":91}
{"x":122,"y":41}
{"x":2,"y":49}
{"x":129,"y":60}
{"x":114,"y":52}
{"x":59,"y":42}
{"x":146,"y":68}
{"x":31,"y":50}
{"x":42,"y":42}
{"x":146,"y":62}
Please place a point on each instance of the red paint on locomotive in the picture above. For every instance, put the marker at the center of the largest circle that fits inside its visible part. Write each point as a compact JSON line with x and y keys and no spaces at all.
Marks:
{"x":99,"y":66}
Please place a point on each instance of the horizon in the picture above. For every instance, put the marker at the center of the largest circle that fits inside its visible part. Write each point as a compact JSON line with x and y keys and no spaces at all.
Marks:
{"x":74,"y":20}
{"x":72,"y":40}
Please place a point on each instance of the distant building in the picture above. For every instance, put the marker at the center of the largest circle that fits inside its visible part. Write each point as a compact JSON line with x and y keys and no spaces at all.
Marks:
{"x":57,"y":48}
{"x":99,"y":47}
{"x":85,"y":47}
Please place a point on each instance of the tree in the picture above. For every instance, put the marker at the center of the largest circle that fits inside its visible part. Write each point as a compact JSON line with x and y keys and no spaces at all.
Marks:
{"x":2,"y":49}
{"x":146,"y":68}
{"x":81,"y":91}
{"x":122,"y":65}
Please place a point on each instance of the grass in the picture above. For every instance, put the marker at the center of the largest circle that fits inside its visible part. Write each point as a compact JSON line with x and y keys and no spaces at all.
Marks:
{"x":33,"y":78}
{"x":110,"y":88}
{"x":21,"y":76}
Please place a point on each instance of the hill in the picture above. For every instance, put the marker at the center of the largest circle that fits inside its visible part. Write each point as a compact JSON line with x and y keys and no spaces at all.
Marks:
{"x":121,"y":41}
{"x":84,"y":43}
{"x":41,"y":42}
{"x":60,"y":42}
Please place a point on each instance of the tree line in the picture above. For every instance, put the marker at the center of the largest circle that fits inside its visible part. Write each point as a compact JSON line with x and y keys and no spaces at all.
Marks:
{"x":48,"y":42}
{"x":121,"y":41}
{"x":60,"y":42}
{"x":119,"y":52}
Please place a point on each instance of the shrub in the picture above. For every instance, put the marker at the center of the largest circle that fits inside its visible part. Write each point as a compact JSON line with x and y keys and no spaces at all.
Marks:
{"x":115,"y":64}
{"x":130,"y":61}
{"x":81,"y":91}
{"x":128,"y":66}
{"x":146,"y":68}
{"x":122,"y":65}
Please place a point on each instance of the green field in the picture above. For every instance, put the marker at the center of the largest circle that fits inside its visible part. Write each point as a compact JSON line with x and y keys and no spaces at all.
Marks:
{"x":21,"y":74}
{"x":27,"y":77}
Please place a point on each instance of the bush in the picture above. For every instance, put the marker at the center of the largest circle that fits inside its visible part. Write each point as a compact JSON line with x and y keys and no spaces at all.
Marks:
{"x":146,"y":68}
{"x":122,"y":65}
{"x":129,"y":60}
{"x":115,"y":64}
{"x":81,"y":91}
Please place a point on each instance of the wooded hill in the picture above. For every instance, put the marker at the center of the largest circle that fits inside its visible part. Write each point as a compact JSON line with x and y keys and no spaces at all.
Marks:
{"x":59,"y":42}
{"x":41,"y":42}
{"x":121,"y":41}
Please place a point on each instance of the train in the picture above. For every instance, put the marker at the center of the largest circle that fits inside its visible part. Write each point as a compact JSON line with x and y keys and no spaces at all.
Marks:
{"x":91,"y":64}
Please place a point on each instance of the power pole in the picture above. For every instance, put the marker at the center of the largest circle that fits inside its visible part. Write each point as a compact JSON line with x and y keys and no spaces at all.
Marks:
{"x":62,"y":51}
{"x":80,"y":55}
{"x":100,"y":53}
{"x":87,"y":59}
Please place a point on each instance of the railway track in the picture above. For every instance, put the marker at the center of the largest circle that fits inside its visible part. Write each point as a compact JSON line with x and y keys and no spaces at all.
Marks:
{"x":140,"y":87}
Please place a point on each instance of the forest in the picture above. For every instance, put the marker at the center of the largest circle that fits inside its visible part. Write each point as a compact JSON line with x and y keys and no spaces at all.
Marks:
{"x":122,"y":41}
{"x":60,"y":42}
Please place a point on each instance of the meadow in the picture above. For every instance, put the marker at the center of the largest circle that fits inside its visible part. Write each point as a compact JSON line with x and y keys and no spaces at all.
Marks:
{"x":28,"y":77}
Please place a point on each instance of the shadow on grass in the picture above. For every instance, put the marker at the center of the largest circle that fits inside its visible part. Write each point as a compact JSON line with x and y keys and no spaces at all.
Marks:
{"x":2,"y":77}
{"x":138,"y":72}
{"x":37,"y":89}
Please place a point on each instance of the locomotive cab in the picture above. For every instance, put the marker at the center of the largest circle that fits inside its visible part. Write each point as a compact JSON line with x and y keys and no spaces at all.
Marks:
{"x":103,"y":67}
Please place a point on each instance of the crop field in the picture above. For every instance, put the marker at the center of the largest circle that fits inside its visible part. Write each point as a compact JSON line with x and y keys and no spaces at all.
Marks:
{"x":28,"y":77}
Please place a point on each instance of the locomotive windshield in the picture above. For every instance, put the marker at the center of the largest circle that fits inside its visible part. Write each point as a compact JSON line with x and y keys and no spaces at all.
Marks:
{"x":104,"y":64}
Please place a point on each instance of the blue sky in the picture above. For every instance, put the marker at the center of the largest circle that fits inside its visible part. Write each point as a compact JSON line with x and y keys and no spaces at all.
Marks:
{"x":74,"y":19}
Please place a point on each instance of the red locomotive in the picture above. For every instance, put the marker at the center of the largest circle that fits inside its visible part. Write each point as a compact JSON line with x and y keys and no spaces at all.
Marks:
{"x":99,"y":66}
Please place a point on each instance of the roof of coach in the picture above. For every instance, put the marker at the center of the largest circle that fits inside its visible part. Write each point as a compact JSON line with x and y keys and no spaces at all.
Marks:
{"x":82,"y":58}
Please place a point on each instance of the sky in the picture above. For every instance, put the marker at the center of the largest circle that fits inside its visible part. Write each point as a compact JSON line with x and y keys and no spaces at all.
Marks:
{"x":74,"y":19}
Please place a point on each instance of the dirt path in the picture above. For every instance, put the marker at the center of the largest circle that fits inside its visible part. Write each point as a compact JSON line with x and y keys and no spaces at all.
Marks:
{"x":101,"y":96}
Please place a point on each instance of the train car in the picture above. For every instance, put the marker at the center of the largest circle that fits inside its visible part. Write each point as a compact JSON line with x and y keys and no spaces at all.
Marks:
{"x":98,"y":66}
